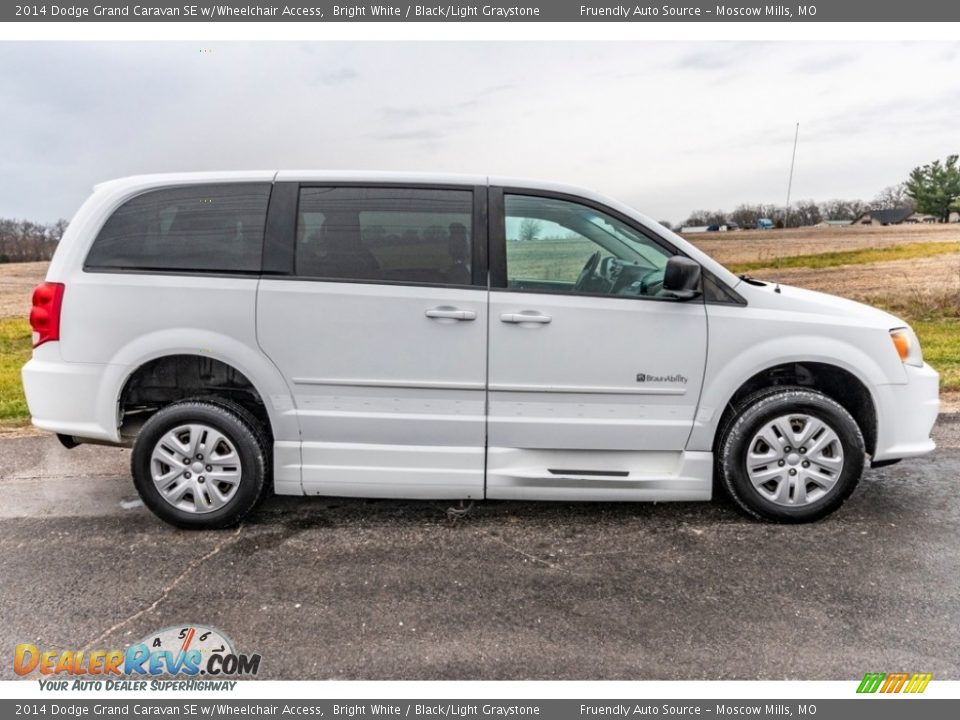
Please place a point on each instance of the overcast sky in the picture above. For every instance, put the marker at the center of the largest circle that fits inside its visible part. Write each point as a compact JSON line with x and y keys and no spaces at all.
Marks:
{"x":666,"y":127}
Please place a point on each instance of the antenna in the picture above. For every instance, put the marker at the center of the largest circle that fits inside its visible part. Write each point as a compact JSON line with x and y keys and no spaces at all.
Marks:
{"x":786,"y":214}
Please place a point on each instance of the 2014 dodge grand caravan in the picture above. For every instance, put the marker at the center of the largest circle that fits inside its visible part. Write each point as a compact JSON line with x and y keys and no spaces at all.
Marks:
{"x":415,"y":336}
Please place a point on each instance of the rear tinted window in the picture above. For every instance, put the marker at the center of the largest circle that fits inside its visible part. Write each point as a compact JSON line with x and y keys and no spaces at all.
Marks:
{"x":196,"y":227}
{"x":385,"y":234}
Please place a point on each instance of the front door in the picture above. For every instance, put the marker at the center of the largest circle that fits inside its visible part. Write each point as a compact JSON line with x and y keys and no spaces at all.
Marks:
{"x":381,"y":333}
{"x":595,"y":373}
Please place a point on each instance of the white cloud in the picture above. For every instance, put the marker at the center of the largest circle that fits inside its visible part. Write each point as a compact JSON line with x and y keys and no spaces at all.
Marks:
{"x":667,"y":127}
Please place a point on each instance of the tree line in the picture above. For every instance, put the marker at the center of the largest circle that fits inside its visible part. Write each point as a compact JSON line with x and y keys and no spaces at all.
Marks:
{"x":933,"y":189}
{"x":26,"y":241}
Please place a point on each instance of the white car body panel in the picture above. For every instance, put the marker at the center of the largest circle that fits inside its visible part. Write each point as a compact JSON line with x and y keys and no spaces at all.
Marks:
{"x":515,"y":474}
{"x":798,"y":325}
{"x":572,"y":384}
{"x":404,"y":394}
{"x":366,"y":396}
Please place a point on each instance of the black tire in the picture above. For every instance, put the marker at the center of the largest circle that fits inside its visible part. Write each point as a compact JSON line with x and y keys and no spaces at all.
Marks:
{"x":238,"y":426}
{"x":763,"y":407}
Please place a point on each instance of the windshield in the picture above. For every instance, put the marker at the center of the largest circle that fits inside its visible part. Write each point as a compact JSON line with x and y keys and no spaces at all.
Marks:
{"x":627,"y":236}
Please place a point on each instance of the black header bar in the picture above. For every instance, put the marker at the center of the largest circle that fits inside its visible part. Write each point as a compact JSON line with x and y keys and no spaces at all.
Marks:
{"x":852,"y":11}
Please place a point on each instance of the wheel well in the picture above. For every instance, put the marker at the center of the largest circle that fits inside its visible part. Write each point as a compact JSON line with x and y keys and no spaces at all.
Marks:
{"x":836,"y":383}
{"x":169,"y":379}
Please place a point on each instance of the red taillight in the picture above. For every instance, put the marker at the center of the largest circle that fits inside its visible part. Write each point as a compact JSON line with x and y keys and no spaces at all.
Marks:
{"x":45,"y":314}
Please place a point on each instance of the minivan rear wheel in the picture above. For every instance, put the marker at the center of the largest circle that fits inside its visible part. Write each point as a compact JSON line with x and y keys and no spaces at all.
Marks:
{"x":790,"y":455}
{"x":200,"y":464}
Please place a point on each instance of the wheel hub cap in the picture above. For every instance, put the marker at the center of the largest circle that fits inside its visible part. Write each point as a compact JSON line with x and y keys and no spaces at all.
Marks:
{"x":794,"y":460}
{"x":190,"y":483}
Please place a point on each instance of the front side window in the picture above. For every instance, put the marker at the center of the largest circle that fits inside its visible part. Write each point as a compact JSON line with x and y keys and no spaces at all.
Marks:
{"x":561,"y":246}
{"x":213,"y":228}
{"x":410,"y":235}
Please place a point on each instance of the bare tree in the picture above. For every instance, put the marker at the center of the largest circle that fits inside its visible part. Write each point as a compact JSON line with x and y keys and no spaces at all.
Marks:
{"x":529,"y":229}
{"x":842,"y":209}
{"x":705,"y":217}
{"x":746,"y":215}
{"x":892,"y":197}
{"x":804,"y":214}
{"x":26,"y":241}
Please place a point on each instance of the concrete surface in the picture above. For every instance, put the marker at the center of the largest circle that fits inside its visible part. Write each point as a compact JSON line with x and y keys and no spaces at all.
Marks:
{"x":352,"y":589}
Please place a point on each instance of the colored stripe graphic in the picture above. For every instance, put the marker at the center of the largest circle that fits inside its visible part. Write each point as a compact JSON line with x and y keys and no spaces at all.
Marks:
{"x":870,"y":683}
{"x":918,"y":682}
{"x":894,"y":682}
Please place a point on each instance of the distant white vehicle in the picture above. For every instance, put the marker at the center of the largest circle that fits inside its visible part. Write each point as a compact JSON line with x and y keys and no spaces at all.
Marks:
{"x":432,"y":336}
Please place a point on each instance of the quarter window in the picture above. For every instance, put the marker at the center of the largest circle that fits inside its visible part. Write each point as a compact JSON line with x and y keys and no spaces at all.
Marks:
{"x":385,"y":234}
{"x":554,"y":245}
{"x":214,"y":228}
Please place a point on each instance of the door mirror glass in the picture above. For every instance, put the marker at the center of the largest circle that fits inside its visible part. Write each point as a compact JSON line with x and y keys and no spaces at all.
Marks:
{"x":682,"y":278}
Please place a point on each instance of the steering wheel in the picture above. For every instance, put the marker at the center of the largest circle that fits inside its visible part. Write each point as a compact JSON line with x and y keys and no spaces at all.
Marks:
{"x":588,"y":270}
{"x":652,"y":283}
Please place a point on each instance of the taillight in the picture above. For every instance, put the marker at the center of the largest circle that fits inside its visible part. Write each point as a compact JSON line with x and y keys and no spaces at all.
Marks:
{"x":45,"y":314}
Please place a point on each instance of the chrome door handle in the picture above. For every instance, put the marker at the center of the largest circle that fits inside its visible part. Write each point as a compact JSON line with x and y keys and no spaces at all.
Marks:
{"x":525,"y":317}
{"x":445,"y":312}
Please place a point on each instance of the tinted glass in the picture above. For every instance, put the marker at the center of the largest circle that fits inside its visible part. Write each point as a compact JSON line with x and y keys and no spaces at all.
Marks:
{"x":560,"y":246}
{"x":385,"y":234}
{"x":195,"y":227}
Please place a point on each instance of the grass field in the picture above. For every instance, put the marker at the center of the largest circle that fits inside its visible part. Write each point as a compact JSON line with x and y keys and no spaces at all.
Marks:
{"x":940,"y":340}
{"x":14,"y":352}
{"x":913,"y":272}
{"x":549,"y":259}
{"x":861,"y":256}
{"x":748,"y":246}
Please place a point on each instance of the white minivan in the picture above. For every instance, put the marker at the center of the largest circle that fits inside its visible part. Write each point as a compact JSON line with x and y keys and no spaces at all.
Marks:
{"x":451,"y":337}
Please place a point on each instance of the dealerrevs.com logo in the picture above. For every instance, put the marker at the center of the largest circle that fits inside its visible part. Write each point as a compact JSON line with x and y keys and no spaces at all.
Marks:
{"x":179,"y":651}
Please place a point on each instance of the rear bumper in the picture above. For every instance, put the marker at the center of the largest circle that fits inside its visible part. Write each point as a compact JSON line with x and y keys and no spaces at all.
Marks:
{"x":69,"y":398}
{"x":906,"y":414}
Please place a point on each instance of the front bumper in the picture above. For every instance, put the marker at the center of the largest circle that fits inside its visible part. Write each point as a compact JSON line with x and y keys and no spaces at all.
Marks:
{"x":906,"y":414}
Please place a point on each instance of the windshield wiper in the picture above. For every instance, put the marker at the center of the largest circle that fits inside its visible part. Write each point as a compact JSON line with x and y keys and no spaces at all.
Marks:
{"x":751,"y":280}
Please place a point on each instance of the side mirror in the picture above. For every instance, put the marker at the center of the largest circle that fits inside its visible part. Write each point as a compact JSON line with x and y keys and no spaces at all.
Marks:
{"x":681,"y":278}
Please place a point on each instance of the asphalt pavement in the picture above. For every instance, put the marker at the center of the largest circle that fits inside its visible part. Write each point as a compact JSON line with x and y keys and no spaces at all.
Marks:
{"x":359,"y":589}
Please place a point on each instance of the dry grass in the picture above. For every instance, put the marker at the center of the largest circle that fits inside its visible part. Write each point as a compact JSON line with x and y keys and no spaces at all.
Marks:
{"x":862,"y":256}
{"x":748,"y":246}
{"x":14,"y":352}
{"x":898,"y":278}
{"x":17,"y":281}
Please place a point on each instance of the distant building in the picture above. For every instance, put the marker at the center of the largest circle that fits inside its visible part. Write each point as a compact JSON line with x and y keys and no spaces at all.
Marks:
{"x":834,"y":223}
{"x":894,"y":216}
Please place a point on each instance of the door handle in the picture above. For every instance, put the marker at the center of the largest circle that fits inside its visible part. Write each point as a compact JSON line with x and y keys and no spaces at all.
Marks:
{"x":445,"y":312}
{"x":527,"y":316}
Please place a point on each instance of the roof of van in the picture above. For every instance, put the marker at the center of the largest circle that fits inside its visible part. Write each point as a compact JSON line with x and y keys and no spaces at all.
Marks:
{"x":160,"y":179}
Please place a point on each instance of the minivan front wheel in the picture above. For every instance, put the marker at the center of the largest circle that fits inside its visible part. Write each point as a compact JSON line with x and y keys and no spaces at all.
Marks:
{"x":200,"y":464}
{"x":791,"y":455}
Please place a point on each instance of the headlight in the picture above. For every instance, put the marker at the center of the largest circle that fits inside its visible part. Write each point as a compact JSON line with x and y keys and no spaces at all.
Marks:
{"x":907,"y":346}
